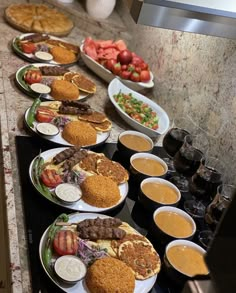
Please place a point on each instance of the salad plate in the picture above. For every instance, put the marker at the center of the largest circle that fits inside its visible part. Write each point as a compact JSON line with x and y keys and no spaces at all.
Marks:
{"x":27,"y":89}
{"x":49,"y":193}
{"x":42,"y":46}
{"x":141,"y":286}
{"x":108,"y":76}
{"x":115,"y":91}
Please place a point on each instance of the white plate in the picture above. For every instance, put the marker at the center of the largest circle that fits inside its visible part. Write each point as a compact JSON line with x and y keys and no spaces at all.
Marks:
{"x":31,"y":57}
{"x":26,"y":88}
{"x":115,"y":87}
{"x":58,"y":139}
{"x":79,"y":205}
{"x":107,"y":75}
{"x":80,"y":287}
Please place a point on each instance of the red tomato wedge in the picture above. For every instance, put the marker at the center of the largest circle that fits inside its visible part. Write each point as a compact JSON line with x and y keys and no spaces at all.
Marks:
{"x":28,"y":48}
{"x":33,"y":76}
{"x":43,"y":114}
{"x":65,"y":242}
{"x":50,"y":178}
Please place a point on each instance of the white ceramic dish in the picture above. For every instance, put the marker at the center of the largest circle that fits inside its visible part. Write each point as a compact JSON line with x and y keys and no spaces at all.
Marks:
{"x":140,"y":286}
{"x":32,"y":57}
{"x":26,"y":88}
{"x":107,"y":75}
{"x":79,"y":205}
{"x":115,"y":87}
{"x":58,"y":139}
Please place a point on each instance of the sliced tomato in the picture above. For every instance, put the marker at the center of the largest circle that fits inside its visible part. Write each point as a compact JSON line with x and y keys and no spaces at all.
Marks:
{"x":28,"y":48}
{"x":33,"y":76}
{"x":43,"y":114}
{"x":50,"y":178}
{"x":66,"y":242}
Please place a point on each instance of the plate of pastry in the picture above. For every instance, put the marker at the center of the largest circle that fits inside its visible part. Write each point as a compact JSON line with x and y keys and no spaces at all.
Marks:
{"x":53,"y":82}
{"x":39,"y":18}
{"x":36,"y":47}
{"x":106,"y":255}
{"x":79,"y":179}
{"x":68,"y":123}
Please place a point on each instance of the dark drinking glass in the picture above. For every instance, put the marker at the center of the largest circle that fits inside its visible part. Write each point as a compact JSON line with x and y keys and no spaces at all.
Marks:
{"x":203,"y":184}
{"x":173,"y":140}
{"x":220,"y":202}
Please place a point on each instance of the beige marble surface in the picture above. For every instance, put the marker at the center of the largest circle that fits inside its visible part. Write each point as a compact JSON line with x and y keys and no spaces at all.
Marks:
{"x":194,"y":75}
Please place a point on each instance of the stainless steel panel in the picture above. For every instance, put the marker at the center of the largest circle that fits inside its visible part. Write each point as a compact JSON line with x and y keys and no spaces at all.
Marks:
{"x":184,"y":19}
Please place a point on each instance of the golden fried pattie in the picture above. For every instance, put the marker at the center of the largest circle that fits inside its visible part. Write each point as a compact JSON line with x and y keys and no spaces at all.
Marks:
{"x":84,"y":84}
{"x":103,"y":127}
{"x":113,"y":170}
{"x":62,"y":55}
{"x":100,"y":191}
{"x":79,"y":133}
{"x":64,"y":90}
{"x":110,"y":275}
{"x":95,"y":117}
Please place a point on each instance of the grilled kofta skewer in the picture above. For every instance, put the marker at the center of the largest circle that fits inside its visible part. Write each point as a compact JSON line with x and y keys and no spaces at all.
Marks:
{"x":96,"y":232}
{"x":107,"y":222}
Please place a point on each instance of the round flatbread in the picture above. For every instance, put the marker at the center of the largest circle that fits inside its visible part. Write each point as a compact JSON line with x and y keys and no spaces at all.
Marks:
{"x":103,"y":127}
{"x":95,"y":117}
{"x":84,"y":84}
{"x":141,"y":257}
{"x":113,"y":170}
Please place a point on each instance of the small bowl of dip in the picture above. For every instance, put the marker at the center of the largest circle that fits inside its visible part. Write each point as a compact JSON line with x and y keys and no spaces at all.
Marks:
{"x":144,"y":165}
{"x":68,"y":193}
{"x":47,"y":129}
{"x":40,"y":88}
{"x":171,"y":223}
{"x":184,"y":260}
{"x":43,"y":56}
{"x":157,"y":192}
{"x":70,"y":269}
{"x":131,"y":142}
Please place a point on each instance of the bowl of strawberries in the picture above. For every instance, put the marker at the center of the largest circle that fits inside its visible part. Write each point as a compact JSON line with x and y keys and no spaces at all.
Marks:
{"x":109,"y":59}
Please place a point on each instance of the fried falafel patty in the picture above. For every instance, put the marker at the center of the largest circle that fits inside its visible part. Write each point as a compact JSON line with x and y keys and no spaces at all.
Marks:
{"x":110,"y":275}
{"x":100,"y":191}
{"x":79,"y":133}
{"x":64,"y":90}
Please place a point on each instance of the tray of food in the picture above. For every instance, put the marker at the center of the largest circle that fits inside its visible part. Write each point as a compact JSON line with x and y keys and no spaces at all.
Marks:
{"x":91,"y":252}
{"x":39,"y":18}
{"x":53,"y":82}
{"x":110,"y":59}
{"x":36,"y":47}
{"x":79,"y":179}
{"x":137,"y":110}
{"x":68,"y":123}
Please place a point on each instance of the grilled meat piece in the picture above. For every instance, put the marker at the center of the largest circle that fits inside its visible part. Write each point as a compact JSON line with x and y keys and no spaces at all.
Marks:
{"x":77,"y":104}
{"x":95,"y":233}
{"x":36,"y":38}
{"x":64,"y":155}
{"x":72,"y":110}
{"x":75,"y":159}
{"x":53,"y":70}
{"x":107,"y":222}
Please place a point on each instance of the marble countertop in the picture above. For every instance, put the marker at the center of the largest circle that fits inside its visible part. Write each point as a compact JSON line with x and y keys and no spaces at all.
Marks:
{"x":13,"y":104}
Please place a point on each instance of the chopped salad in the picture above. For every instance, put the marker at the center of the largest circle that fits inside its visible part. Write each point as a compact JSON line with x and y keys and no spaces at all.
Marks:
{"x":138,"y":110}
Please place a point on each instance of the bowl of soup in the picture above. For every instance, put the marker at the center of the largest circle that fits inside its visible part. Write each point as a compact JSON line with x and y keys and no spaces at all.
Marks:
{"x":157,"y":192}
{"x":171,"y":223}
{"x":144,"y":165}
{"x":131,"y":142}
{"x":184,"y":260}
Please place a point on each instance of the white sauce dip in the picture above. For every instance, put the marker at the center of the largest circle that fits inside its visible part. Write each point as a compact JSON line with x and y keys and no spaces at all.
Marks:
{"x":43,"y":56}
{"x":47,"y":129}
{"x":40,"y":88}
{"x":68,"y":192}
{"x":70,"y":268}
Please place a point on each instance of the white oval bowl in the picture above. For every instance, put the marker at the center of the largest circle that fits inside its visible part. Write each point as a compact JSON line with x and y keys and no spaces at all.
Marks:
{"x":107,"y":75}
{"x":115,"y":87}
